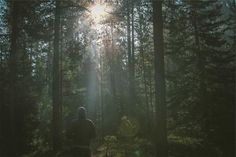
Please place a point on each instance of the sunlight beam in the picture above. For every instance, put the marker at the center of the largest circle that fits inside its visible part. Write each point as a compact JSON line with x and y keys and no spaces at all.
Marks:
{"x":98,"y":12}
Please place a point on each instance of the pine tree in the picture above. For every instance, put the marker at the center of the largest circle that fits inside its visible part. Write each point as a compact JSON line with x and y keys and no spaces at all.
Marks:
{"x":202,"y":64}
{"x":160,"y":95}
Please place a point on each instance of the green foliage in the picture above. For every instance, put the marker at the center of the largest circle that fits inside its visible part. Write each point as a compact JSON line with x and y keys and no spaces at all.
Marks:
{"x":198,"y":58}
{"x":125,"y":143}
{"x":128,"y":128}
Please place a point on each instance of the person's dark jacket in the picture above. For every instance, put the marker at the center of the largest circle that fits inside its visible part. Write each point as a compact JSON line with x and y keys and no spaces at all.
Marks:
{"x":81,"y":132}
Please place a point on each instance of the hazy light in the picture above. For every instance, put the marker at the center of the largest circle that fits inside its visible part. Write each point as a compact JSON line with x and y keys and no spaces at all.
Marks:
{"x":98,"y":12}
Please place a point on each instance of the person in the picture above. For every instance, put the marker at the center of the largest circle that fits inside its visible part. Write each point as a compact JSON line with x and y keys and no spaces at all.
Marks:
{"x":80,"y":133}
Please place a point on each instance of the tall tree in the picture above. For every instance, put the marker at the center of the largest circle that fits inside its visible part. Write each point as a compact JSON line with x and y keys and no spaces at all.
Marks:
{"x":199,"y":59}
{"x":56,"y":99}
{"x":130,"y":51}
{"x":160,"y":100}
{"x":12,"y":66}
{"x":18,"y":121}
{"x":132,"y":66}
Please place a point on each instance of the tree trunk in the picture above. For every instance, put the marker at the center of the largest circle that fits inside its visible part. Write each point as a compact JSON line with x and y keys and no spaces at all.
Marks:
{"x":13,"y":75}
{"x":128,"y":37}
{"x":101,"y":95}
{"x":129,"y":55}
{"x":200,"y":59}
{"x":56,"y":100}
{"x":132,"y":66}
{"x":160,"y":102}
{"x":141,"y":51}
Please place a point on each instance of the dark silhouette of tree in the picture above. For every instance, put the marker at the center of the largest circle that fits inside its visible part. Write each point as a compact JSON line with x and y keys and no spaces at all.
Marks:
{"x":56,"y":96}
{"x":160,"y":104}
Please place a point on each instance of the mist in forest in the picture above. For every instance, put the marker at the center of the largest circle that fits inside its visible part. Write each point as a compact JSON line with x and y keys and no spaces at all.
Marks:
{"x":117,"y":78}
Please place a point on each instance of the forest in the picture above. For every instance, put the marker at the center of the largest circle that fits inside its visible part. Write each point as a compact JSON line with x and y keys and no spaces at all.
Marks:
{"x":157,"y":77}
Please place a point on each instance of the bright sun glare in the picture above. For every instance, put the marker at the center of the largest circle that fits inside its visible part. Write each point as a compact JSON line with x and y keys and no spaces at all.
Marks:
{"x":98,"y":12}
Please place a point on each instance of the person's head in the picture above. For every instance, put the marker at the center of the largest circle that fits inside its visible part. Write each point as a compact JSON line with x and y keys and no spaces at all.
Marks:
{"x":82,"y":113}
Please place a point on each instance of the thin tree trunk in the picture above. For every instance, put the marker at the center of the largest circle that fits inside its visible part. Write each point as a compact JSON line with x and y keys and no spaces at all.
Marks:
{"x":56,"y":100}
{"x":61,"y":66}
{"x":160,"y":101}
{"x":152,"y":108}
{"x":145,"y":88}
{"x":101,"y":94}
{"x":132,"y":66}
{"x":128,"y":36}
{"x":141,"y":49}
{"x":200,"y":61}
{"x":113,"y":62}
{"x":1,"y":57}
{"x":129,"y":56}
{"x":13,"y":75}
{"x":49,"y":68}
